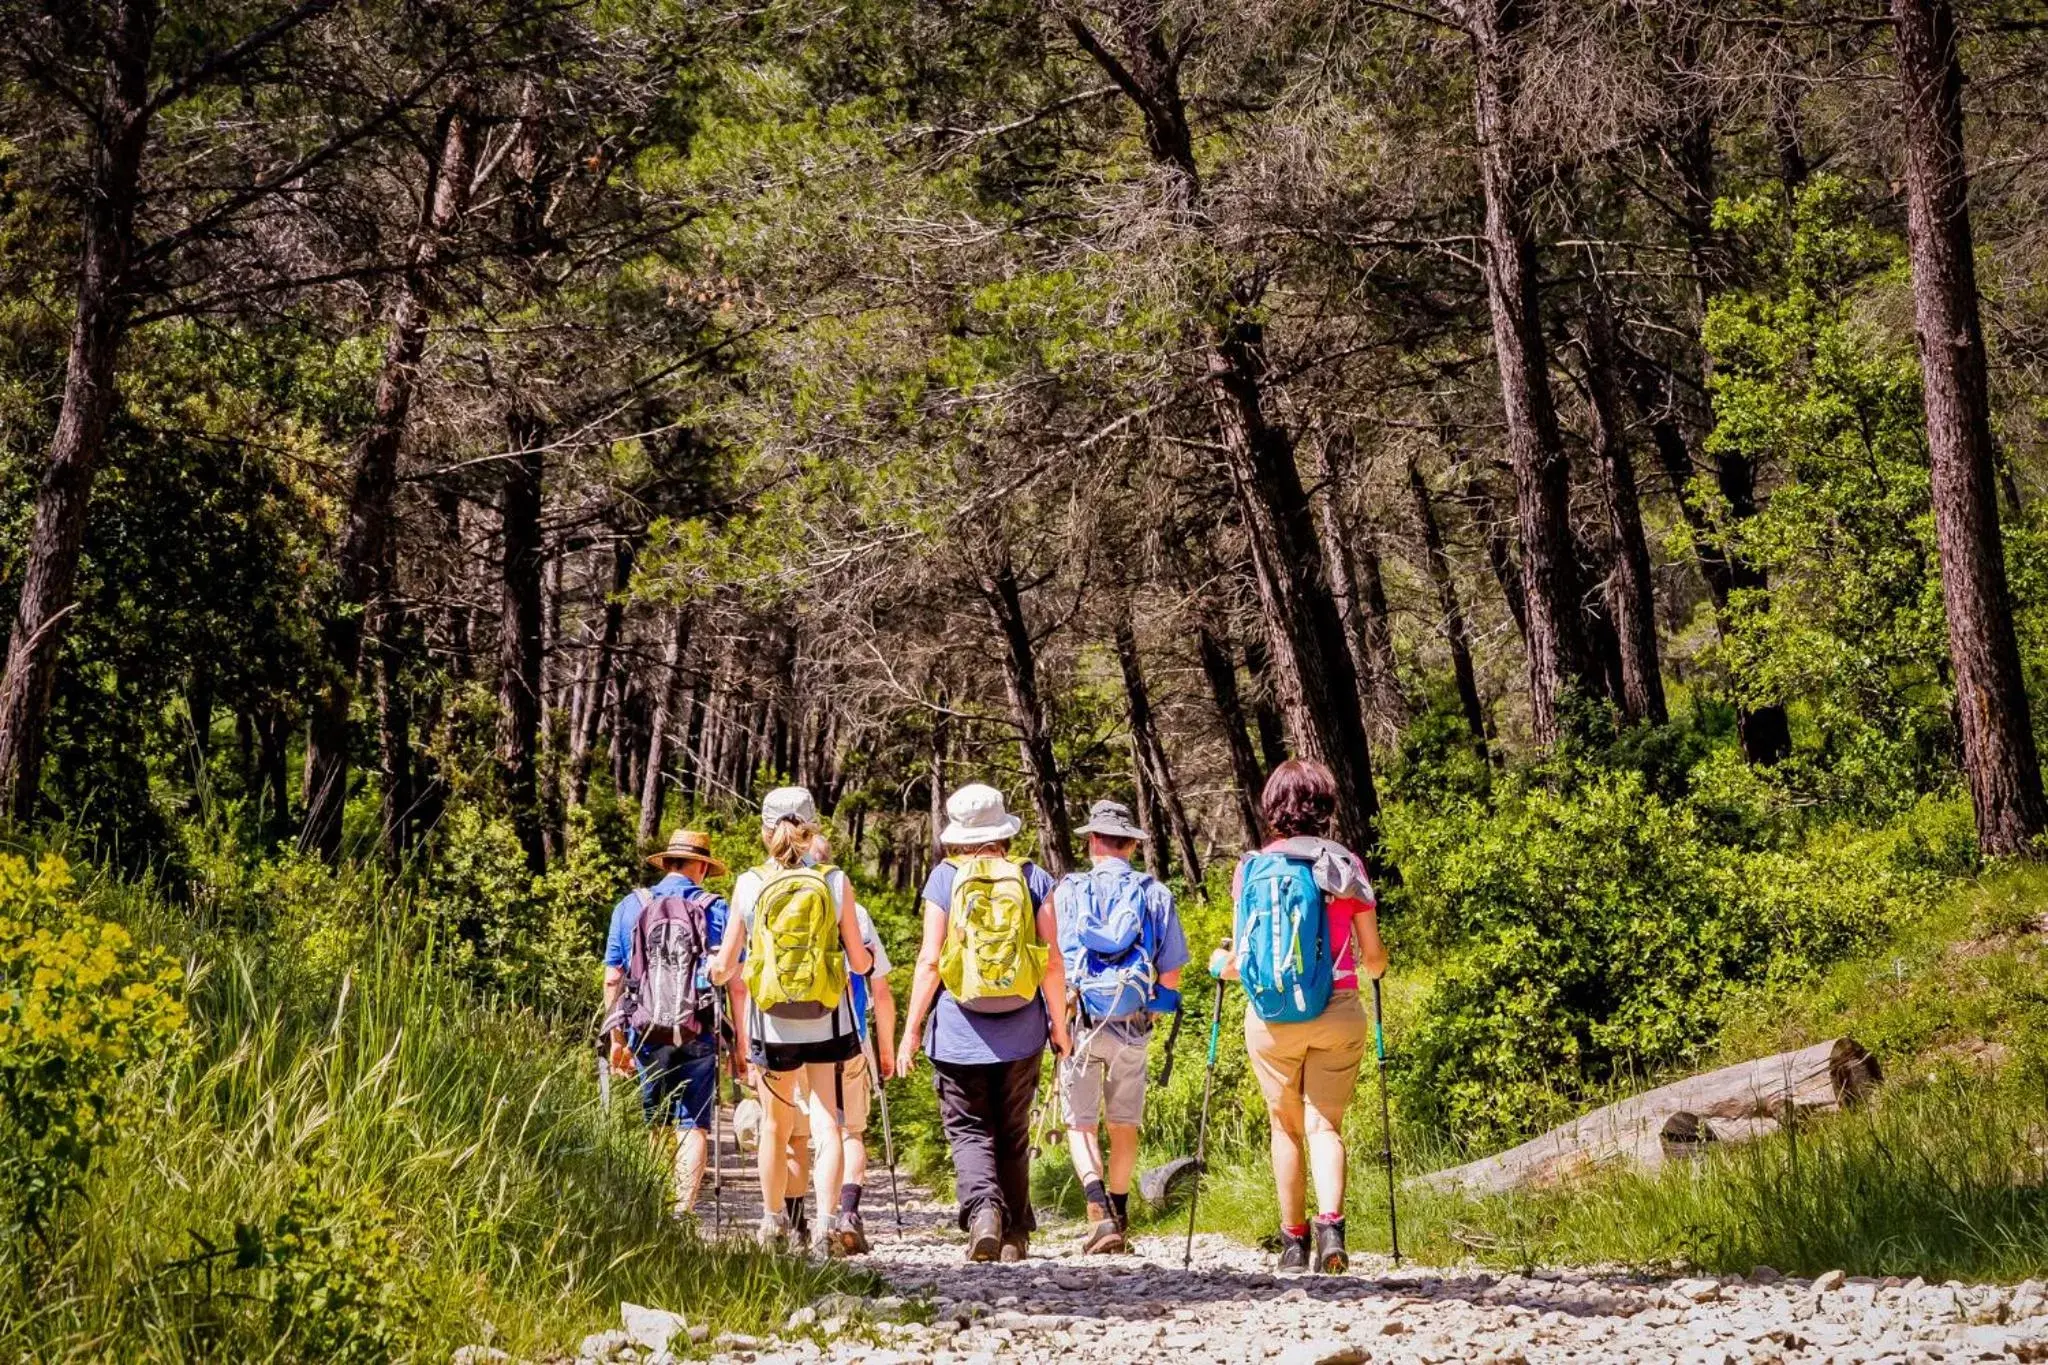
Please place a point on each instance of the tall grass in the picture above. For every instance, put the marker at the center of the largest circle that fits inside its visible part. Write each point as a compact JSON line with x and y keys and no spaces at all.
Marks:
{"x":521,"y":1214}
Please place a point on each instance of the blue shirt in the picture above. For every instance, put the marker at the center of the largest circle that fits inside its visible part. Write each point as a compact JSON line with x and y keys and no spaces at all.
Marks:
{"x":618,"y":941}
{"x":1162,"y":925}
{"x":970,"y":1037}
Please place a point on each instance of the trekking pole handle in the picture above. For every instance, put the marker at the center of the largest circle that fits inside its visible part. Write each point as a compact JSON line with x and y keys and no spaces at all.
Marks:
{"x":1379,"y":1032}
{"x":1216,"y":1024}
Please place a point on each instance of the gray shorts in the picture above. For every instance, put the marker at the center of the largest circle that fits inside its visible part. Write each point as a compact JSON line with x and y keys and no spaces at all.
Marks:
{"x":1105,"y":1078}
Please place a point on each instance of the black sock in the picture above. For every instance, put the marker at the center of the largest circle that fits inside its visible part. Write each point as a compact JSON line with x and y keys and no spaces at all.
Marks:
{"x":849,"y":1199}
{"x":793,"y":1209}
{"x":1095,"y":1194}
{"x":1121,"y":1205}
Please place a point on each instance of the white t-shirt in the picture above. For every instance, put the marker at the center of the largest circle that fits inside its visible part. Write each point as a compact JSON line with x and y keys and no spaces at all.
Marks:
{"x":746,"y":892}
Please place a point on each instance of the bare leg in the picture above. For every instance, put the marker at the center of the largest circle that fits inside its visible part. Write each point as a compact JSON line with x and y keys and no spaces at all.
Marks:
{"x":1087,"y":1154}
{"x":1326,"y":1160}
{"x":1123,"y":1156}
{"x":779,"y":1121}
{"x":689,"y":1167}
{"x":827,"y":1139}
{"x":1287,"y":1160}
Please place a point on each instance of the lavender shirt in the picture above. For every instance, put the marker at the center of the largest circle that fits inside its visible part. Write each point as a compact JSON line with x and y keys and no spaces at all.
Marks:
{"x":970,"y":1037}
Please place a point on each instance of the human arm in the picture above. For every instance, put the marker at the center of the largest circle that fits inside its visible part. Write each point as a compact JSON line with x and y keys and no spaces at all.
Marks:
{"x":1055,"y":983}
{"x":620,"y":1055}
{"x":924,"y":986}
{"x":1365,"y":932}
{"x":858,"y":958}
{"x":885,"y":1023}
{"x":725,"y":963}
{"x":736,"y":1000}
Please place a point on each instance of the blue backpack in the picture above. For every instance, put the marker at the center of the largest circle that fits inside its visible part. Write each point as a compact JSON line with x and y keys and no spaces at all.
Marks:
{"x":1107,"y":912}
{"x":1282,"y":928}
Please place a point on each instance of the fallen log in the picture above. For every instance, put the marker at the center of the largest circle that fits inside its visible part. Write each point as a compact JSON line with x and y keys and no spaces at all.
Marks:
{"x":1732,"y":1104}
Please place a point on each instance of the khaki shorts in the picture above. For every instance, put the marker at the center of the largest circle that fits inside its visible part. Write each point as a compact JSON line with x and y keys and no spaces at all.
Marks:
{"x":812,"y":1086}
{"x":1105,"y":1079}
{"x":1312,"y":1064}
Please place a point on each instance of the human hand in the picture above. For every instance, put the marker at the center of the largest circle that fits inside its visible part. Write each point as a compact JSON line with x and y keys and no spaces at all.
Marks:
{"x":906,"y":1055}
{"x":1219,"y":961}
{"x":885,"y":1064}
{"x":621,"y":1058}
{"x":1062,"y":1041}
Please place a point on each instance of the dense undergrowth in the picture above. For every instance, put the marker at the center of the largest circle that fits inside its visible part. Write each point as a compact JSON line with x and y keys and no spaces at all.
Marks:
{"x":350,"y":1155}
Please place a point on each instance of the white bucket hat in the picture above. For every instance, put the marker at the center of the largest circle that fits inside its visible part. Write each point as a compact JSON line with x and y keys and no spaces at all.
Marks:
{"x":975,"y":815}
{"x":788,"y":803}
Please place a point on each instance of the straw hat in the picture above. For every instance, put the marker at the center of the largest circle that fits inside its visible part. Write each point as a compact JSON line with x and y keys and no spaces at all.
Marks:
{"x":687,"y":845}
{"x":975,"y":815}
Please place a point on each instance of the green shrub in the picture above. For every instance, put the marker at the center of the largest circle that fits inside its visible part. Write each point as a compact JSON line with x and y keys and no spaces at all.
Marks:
{"x":1591,"y":933}
{"x":81,"y":1007}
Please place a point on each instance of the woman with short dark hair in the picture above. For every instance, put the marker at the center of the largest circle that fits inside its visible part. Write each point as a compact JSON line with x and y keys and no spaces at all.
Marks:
{"x":1306,"y":1055}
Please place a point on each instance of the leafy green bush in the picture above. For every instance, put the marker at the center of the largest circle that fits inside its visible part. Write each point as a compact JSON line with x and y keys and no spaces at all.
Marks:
{"x":1590,"y":933}
{"x":81,"y":1007}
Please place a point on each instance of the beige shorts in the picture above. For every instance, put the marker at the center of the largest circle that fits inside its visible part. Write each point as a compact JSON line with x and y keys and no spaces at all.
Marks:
{"x":1311,"y":1065}
{"x":812,"y":1087}
{"x":1105,"y":1080}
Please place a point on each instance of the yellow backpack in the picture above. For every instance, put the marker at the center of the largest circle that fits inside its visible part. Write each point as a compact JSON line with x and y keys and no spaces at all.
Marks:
{"x":796,"y":965}
{"x":992,"y":950}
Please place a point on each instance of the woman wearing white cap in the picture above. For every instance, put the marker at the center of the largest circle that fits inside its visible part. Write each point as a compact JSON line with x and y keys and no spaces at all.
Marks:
{"x":798,"y":1031}
{"x":993,"y":992}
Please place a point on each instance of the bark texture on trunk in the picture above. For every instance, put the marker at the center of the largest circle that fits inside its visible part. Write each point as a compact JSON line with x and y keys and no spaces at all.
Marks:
{"x":595,"y":698}
{"x":1556,"y":646}
{"x":1999,"y":756}
{"x":49,"y":576}
{"x":1304,"y":629}
{"x":1630,"y":604}
{"x":366,"y":537}
{"x":1156,"y":789}
{"x":519,"y":636}
{"x":1449,"y":609}
{"x":671,"y":704}
{"x":1354,"y":565}
{"x":1000,"y":590}
{"x":1220,"y":670}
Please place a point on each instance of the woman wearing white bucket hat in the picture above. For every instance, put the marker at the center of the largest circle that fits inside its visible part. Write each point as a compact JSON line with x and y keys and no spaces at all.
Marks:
{"x":992,"y":992}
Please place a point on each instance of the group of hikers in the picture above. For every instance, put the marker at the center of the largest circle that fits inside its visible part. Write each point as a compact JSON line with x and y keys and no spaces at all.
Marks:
{"x":791,"y":975}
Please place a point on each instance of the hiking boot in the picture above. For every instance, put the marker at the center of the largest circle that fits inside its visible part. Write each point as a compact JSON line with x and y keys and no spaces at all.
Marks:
{"x":1105,"y":1235}
{"x":773,"y":1234}
{"x":850,"y":1233}
{"x":1331,"y":1258}
{"x":985,"y":1235}
{"x":824,"y":1245}
{"x":1015,"y":1247}
{"x":1293,"y":1253}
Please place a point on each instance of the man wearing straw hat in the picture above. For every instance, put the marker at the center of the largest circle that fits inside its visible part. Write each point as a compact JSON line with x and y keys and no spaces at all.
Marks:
{"x":678,"y":1074}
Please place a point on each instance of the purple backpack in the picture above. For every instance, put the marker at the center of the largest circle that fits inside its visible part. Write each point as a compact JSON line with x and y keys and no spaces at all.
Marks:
{"x":668,"y":999}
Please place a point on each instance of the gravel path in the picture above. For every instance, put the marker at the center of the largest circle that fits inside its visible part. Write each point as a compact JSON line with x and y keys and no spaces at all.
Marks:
{"x":1061,"y":1307}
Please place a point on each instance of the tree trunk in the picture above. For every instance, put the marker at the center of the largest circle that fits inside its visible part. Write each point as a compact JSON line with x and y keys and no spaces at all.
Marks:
{"x":394,"y":726}
{"x":1221,"y":672}
{"x":1448,"y":608}
{"x":519,"y":635}
{"x":1354,"y":566}
{"x":1556,"y":645}
{"x":1156,"y":785}
{"x":367,"y":534}
{"x":671,"y":702}
{"x":1998,"y":738}
{"x":1005,"y":601}
{"x":49,"y":578}
{"x":1303,"y":626}
{"x":940,"y":730}
{"x":273,"y":744}
{"x":1155,"y":853}
{"x":1477,"y":495}
{"x":594,"y":699}
{"x":1266,"y":703}
{"x":1630,"y":604}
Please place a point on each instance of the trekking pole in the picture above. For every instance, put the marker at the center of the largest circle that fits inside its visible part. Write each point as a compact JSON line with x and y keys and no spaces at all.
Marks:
{"x":717,"y":1129}
{"x":888,"y":1138}
{"x":1187,"y":1258}
{"x":1172,"y":1038}
{"x":1379,"y":1043}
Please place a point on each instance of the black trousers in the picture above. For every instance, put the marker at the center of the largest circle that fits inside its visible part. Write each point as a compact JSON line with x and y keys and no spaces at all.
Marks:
{"x":986,"y":1111}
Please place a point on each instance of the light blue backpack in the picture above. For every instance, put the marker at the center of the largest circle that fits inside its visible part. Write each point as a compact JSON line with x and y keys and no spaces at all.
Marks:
{"x":1282,"y":930}
{"x":1118,"y":968}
